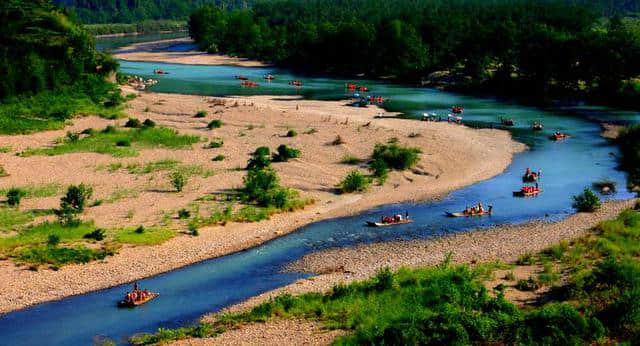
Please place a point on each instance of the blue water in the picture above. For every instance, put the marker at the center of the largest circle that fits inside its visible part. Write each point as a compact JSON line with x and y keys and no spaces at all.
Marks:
{"x":187,"y":293}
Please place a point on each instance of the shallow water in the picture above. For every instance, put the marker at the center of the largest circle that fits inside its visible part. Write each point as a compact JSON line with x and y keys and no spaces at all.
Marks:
{"x":187,"y":293}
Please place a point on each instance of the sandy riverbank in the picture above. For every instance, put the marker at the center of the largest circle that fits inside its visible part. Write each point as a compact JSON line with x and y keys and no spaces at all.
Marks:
{"x":249,"y":122}
{"x":152,"y":51}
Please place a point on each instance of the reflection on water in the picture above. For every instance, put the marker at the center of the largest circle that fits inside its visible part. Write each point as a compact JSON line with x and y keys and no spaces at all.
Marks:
{"x":187,"y":293}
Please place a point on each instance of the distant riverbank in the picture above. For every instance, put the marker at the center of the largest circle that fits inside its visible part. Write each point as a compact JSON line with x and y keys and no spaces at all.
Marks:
{"x":158,"y":51}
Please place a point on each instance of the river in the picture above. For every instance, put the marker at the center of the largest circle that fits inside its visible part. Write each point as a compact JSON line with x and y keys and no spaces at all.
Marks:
{"x":568,"y":167}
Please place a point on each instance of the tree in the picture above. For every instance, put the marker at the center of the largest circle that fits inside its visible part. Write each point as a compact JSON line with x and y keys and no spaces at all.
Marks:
{"x":73,"y":203}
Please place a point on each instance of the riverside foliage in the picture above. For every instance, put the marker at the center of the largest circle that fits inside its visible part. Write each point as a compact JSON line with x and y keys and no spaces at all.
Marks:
{"x":50,"y":69}
{"x":533,"y":48}
{"x":450,"y":305}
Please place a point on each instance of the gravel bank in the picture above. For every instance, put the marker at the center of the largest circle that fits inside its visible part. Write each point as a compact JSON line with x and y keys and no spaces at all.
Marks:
{"x":503,"y":243}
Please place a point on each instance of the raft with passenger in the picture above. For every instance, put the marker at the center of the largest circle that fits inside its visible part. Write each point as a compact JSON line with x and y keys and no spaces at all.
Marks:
{"x":137,"y":297}
{"x":558,"y":136}
{"x":537,"y":126}
{"x":295,"y":83}
{"x":269,"y":77}
{"x":457,"y":109}
{"x":527,"y":191}
{"x":158,"y":71}
{"x":242,"y":77}
{"x":391,"y":221}
{"x":507,"y":122}
{"x":247,"y":83}
{"x":469,"y":212}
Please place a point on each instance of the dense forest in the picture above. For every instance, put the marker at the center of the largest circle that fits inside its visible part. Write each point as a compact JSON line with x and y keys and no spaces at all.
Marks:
{"x":50,"y":68}
{"x":132,"y":11}
{"x":539,"y":47}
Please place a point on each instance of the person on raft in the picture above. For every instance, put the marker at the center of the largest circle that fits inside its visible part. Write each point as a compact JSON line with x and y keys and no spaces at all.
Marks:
{"x":137,"y":294}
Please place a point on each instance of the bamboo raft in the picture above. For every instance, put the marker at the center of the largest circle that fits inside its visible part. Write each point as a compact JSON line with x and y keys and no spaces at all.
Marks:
{"x":526,"y":194}
{"x":462,"y":214}
{"x":125,"y":303}
{"x":386,"y":224}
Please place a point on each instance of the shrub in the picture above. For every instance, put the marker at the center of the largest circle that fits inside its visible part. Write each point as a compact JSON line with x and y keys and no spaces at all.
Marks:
{"x":193,"y":230}
{"x":97,"y":234}
{"x":257,"y":185}
{"x":88,"y":132}
{"x":14,"y":196}
{"x":587,"y":201}
{"x":216,"y":144}
{"x":109,"y":129}
{"x":219,"y":158}
{"x":184,"y":214}
{"x":3,"y":172}
{"x":148,"y":123}
{"x":557,"y":324}
{"x":527,"y":285}
{"x":53,"y":240}
{"x":354,"y":181}
{"x":139,"y":230}
{"x":178,"y":180}
{"x":200,"y":114}
{"x":133,"y":123}
{"x":123,"y":143}
{"x":292,"y":133}
{"x":72,"y":136}
{"x":259,"y":159}
{"x":285,"y":153}
{"x":215,"y":124}
{"x":379,"y":168}
{"x":396,"y":157}
{"x":76,"y":197}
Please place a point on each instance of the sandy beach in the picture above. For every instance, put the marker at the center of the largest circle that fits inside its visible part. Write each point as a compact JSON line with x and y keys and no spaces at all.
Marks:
{"x":152,"y":51}
{"x":249,"y":122}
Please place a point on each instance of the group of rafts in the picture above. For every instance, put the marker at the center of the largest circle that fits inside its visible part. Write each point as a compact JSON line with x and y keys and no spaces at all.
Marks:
{"x":359,"y":93}
{"x":245,"y":82}
{"x":530,"y":179}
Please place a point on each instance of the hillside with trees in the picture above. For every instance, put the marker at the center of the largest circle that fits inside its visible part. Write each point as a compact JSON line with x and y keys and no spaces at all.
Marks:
{"x":126,"y":11}
{"x":518,"y":47}
{"x":50,"y":68}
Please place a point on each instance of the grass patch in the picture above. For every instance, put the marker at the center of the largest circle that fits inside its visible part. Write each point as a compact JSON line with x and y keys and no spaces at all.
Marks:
{"x":5,"y":149}
{"x":38,"y":235}
{"x":110,"y":140}
{"x":149,"y":236}
{"x":120,"y":194}
{"x":350,"y":160}
{"x":169,"y":165}
{"x":38,"y":191}
{"x":14,"y":219}
{"x":50,"y":110}
{"x":59,"y":256}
